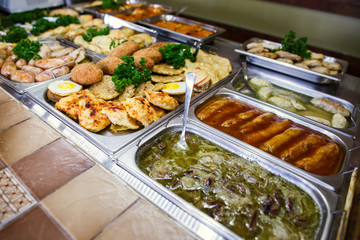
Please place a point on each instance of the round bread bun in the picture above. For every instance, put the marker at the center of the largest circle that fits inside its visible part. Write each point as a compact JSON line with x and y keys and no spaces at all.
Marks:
{"x":53,"y":96}
{"x":86,"y":73}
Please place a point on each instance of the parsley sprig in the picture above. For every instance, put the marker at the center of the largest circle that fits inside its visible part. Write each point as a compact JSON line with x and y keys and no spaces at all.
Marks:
{"x":14,"y":35}
{"x":93,"y":32}
{"x":175,"y":54}
{"x":289,"y":44}
{"x":127,"y":73}
{"x":27,"y":49}
{"x":111,"y":4}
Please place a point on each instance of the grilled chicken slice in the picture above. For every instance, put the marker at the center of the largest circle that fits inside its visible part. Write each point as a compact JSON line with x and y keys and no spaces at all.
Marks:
{"x":140,"y":109}
{"x":117,"y":115}
{"x":91,"y":116}
{"x":162,"y":100}
{"x":70,"y":104}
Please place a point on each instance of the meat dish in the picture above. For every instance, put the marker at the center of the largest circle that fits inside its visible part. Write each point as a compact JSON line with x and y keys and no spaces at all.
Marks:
{"x":296,"y":144}
{"x":238,"y":193}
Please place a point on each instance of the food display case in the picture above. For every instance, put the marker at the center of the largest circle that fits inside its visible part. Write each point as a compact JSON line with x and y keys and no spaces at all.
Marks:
{"x":290,"y":69}
{"x":203,"y":217}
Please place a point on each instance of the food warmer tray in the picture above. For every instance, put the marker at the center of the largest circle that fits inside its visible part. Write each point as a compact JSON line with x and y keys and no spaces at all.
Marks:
{"x":128,"y":11}
{"x":332,"y":183}
{"x":290,"y":69}
{"x":24,"y":87}
{"x":108,"y":142}
{"x":326,"y":199}
{"x":180,"y":36}
{"x":289,"y":83}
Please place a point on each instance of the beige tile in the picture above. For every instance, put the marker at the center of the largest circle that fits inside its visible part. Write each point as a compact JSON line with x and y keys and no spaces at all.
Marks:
{"x":144,"y":221}
{"x":89,"y":202}
{"x":20,"y":140}
{"x":4,"y":96}
{"x":11,"y":113}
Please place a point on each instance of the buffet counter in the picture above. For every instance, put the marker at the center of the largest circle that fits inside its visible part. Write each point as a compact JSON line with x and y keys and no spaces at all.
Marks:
{"x":60,"y":181}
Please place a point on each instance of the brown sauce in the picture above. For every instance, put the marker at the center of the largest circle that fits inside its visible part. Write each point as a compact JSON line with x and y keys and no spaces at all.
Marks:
{"x":194,"y":30}
{"x":301,"y":146}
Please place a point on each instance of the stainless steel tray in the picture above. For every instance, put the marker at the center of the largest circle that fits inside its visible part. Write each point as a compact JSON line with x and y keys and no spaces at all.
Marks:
{"x":108,"y":142}
{"x":23,"y":87}
{"x":116,"y":23}
{"x":96,"y":8}
{"x":332,"y":183}
{"x":165,"y":9}
{"x":290,"y":69}
{"x":180,"y":36}
{"x":289,"y":83}
{"x":325,"y":199}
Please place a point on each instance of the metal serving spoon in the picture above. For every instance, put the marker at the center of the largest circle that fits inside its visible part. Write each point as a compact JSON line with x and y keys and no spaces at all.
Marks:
{"x":247,"y":89}
{"x":190,"y":81}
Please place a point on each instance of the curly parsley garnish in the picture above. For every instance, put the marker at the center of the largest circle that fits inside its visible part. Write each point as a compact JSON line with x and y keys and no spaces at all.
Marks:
{"x":14,"y":35}
{"x":42,"y":25}
{"x":113,"y":44}
{"x":93,"y":32}
{"x":175,"y":54}
{"x":111,"y":4}
{"x":296,"y":47}
{"x":27,"y":50}
{"x":127,"y":73}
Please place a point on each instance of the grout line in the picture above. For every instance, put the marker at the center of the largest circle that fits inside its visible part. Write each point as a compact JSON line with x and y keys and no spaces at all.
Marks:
{"x":115,"y":219}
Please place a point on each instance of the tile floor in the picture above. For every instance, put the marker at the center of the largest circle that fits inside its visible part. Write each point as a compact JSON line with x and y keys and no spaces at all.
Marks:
{"x":69,"y":195}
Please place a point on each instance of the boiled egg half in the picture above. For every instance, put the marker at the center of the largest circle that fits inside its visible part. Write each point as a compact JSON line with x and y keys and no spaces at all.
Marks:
{"x":64,"y":88}
{"x":176,"y":88}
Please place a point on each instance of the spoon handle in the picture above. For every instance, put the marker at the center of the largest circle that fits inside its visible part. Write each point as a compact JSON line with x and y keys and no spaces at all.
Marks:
{"x":190,"y":81}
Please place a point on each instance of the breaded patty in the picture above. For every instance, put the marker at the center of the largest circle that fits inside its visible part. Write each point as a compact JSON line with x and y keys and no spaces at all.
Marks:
{"x":109,"y":64}
{"x":160,"y":45}
{"x":143,"y":39}
{"x":154,"y":54}
{"x":149,"y":63}
{"x":86,"y":73}
{"x":105,"y":89}
{"x":125,"y":49}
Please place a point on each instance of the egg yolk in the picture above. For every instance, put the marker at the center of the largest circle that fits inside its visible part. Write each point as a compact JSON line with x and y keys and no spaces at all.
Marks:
{"x":66,"y":85}
{"x":172,"y":86}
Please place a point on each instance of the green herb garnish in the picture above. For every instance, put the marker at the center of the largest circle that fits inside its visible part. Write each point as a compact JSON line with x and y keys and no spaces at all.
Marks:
{"x":127,"y":73}
{"x":175,"y":54}
{"x":114,"y":45}
{"x":14,"y":35}
{"x":22,"y":17}
{"x":93,"y":32}
{"x":296,"y":47}
{"x":27,"y":49}
{"x":66,"y":20}
{"x":42,"y":25}
{"x":111,"y":4}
